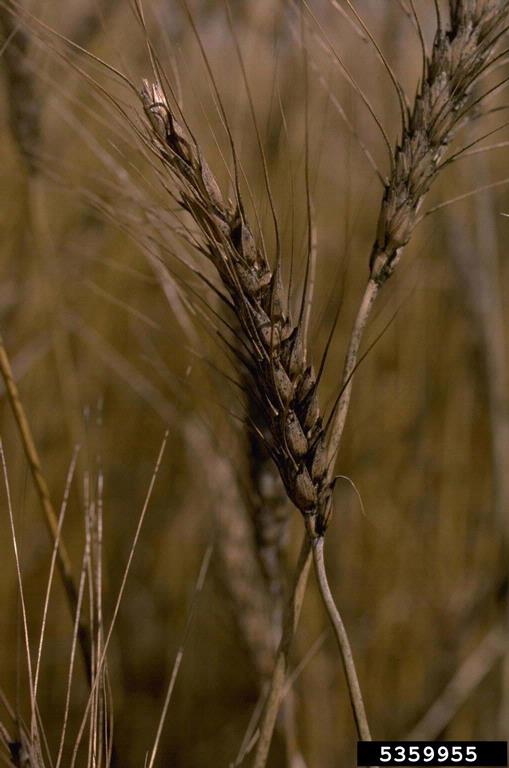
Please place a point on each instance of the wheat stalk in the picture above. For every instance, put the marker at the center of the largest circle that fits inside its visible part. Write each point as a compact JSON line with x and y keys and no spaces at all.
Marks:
{"x":461,"y":53}
{"x":279,"y":380}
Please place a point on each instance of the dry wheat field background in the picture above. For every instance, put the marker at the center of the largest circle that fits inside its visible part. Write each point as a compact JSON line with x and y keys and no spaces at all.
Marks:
{"x":255,"y":379}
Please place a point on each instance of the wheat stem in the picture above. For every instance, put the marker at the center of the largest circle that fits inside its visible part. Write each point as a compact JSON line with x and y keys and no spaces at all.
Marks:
{"x":352,"y":354}
{"x":354,"y":690}
{"x":279,"y":674}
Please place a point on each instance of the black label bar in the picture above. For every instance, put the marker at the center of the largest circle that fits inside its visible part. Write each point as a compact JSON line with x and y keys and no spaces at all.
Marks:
{"x":491,"y":754}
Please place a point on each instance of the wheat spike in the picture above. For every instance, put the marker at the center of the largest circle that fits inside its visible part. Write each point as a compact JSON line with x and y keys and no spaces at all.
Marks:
{"x":281,"y":383}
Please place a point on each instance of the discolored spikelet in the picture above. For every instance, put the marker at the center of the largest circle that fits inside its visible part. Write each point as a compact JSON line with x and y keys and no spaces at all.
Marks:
{"x":282,"y":385}
{"x":459,"y":55}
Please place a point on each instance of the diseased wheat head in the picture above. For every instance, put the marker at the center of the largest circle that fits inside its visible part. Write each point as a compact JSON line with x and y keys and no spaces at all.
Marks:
{"x":281,"y":382}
